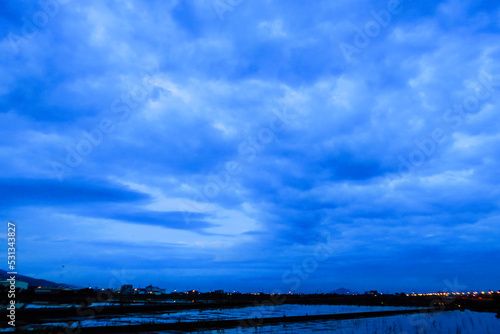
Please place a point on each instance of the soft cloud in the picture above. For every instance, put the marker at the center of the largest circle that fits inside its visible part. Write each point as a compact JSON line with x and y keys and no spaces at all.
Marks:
{"x":223,"y":147}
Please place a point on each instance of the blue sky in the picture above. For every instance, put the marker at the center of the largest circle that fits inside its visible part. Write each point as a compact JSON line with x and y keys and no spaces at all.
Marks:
{"x":253,"y":145}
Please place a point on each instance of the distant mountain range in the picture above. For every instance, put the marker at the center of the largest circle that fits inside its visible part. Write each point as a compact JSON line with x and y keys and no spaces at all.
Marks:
{"x":33,"y":281}
{"x":344,"y":291}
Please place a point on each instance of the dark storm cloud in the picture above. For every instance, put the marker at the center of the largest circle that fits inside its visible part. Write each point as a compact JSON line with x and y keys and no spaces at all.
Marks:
{"x":49,"y":192}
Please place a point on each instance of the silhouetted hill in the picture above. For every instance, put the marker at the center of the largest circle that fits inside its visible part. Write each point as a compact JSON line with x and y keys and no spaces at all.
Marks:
{"x":33,"y":281}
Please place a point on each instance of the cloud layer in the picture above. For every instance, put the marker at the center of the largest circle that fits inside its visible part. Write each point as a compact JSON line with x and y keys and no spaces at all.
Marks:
{"x":218,"y":144}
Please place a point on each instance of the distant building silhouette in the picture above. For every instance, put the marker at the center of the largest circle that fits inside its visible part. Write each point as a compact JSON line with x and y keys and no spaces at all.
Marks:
{"x":153,"y":290}
{"x":127,"y":289}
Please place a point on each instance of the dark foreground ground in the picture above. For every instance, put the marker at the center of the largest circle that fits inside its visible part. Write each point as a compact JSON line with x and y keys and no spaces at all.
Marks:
{"x":148,"y":304}
{"x":224,"y":324}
